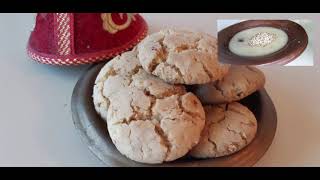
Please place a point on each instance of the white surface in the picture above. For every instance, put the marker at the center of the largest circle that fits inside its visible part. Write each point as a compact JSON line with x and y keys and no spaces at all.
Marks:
{"x":305,"y":59}
{"x":36,"y":128}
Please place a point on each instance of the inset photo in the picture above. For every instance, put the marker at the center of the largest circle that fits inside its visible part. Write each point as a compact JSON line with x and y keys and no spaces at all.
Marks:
{"x":265,"y":42}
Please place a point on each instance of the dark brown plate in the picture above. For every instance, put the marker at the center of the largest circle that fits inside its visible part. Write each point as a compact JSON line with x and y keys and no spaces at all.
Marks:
{"x":297,"y":43}
{"x":93,"y":129}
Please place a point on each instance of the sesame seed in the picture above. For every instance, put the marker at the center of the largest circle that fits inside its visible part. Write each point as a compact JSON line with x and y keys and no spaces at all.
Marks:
{"x":262,"y":39}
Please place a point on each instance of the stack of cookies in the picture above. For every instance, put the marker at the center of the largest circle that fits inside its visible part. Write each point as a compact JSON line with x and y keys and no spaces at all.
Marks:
{"x":170,"y":97}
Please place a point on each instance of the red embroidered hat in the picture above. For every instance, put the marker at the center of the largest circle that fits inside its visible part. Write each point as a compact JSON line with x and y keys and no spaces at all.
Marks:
{"x":83,"y":38}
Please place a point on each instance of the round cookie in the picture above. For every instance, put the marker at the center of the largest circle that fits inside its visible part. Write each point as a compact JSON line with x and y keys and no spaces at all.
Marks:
{"x":181,"y":57}
{"x":148,"y":120}
{"x":240,"y":82}
{"x":228,"y":128}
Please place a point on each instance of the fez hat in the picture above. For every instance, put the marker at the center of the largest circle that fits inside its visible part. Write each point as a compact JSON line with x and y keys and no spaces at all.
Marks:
{"x":83,"y":38}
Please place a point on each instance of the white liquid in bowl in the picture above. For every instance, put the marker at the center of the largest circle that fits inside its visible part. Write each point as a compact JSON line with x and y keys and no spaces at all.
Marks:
{"x":258,"y":41}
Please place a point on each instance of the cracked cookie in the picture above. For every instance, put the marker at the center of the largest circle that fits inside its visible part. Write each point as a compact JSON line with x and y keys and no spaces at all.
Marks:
{"x":181,"y":57}
{"x":148,"y":120}
{"x":228,"y":128}
{"x":240,"y":82}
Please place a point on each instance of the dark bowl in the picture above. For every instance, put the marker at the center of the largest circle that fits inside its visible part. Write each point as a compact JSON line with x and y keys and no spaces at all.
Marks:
{"x":94,"y":132}
{"x":297,"y":43}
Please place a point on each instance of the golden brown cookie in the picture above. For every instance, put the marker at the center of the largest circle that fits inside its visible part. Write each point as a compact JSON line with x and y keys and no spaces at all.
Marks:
{"x":240,"y":82}
{"x":181,"y":57}
{"x":228,"y":128}
{"x":148,"y":120}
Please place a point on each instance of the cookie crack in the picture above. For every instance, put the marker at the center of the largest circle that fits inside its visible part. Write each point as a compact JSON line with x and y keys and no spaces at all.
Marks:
{"x":214,"y":148}
{"x":232,"y":146}
{"x":110,"y":72}
{"x":218,"y":88}
{"x":222,"y":119}
{"x":136,"y":115}
{"x":192,"y":114}
{"x":152,"y":103}
{"x":244,"y":137}
{"x":247,"y":80}
{"x":105,"y":99}
{"x":134,"y":72}
{"x":173,"y":66}
{"x":129,"y":136}
{"x":163,"y":95}
{"x":241,"y":134}
{"x":226,"y":107}
{"x":238,"y":91}
{"x":206,"y":70}
{"x":197,"y":42}
{"x":231,"y":130}
{"x":251,"y":124}
{"x":238,"y":112}
{"x":182,"y":48}
{"x":161,"y":56}
{"x":164,"y":139}
{"x":188,"y":47}
{"x":176,"y":69}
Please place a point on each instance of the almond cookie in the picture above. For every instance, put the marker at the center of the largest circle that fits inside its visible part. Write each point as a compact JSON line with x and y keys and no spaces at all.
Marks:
{"x":181,"y":57}
{"x":148,"y":120}
{"x":228,"y":128}
{"x":240,"y":82}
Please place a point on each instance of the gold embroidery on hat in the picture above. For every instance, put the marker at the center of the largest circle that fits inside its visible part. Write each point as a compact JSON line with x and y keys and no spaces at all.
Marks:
{"x":110,"y":26}
{"x":64,"y":33}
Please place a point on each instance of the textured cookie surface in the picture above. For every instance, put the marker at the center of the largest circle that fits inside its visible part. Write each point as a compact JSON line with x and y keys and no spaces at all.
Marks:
{"x":148,"y":120}
{"x":239,"y":82}
{"x":228,"y":128}
{"x":181,"y":57}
